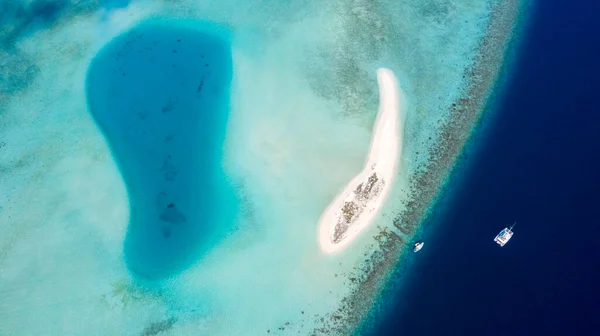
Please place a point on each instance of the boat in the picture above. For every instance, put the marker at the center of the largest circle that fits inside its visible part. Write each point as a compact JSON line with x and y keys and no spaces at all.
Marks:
{"x":418,"y":246}
{"x":504,"y":236}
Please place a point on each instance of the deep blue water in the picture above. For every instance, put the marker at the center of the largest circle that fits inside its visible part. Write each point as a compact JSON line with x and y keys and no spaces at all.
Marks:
{"x":160,"y":95}
{"x":536,"y":162}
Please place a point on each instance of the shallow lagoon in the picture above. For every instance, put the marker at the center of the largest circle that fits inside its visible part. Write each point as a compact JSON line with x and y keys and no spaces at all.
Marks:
{"x":160,"y":95}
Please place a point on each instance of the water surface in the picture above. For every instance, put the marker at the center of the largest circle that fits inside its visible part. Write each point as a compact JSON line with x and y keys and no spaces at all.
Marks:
{"x":160,"y":94}
{"x":537,"y":163}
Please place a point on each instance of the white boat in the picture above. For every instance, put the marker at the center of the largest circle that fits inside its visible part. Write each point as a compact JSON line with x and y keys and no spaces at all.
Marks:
{"x":418,"y":246}
{"x":504,"y":236}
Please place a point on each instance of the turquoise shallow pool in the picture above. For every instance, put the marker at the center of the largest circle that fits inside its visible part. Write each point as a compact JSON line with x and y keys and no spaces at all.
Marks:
{"x":163,"y":165}
{"x":160,"y":95}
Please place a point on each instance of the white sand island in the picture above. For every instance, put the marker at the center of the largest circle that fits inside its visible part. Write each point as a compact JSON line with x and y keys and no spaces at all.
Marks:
{"x":359,"y":202}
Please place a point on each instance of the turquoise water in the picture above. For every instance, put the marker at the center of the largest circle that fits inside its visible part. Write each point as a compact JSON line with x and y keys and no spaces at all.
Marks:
{"x":83,"y":219}
{"x":160,"y":95}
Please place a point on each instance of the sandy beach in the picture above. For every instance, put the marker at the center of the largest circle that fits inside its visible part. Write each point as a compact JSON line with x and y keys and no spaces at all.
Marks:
{"x":361,"y":199}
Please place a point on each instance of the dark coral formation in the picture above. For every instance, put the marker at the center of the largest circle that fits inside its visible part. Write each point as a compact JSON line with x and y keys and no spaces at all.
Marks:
{"x":17,"y":72}
{"x":19,"y":19}
{"x":24,"y":17}
{"x":158,"y":327}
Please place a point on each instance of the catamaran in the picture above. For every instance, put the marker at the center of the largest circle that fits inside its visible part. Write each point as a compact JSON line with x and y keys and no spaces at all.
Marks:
{"x":504,"y":236}
{"x":418,"y":246}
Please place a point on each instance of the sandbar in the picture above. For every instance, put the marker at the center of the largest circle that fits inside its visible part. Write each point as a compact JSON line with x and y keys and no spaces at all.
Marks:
{"x":356,"y":206}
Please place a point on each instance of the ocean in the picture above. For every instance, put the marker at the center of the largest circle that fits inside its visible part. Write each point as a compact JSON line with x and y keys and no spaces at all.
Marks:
{"x":535,"y":161}
{"x":159,"y":177}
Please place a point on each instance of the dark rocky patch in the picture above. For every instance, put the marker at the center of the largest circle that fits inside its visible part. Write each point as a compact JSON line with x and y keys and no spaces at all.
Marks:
{"x":17,"y":72}
{"x":158,"y":327}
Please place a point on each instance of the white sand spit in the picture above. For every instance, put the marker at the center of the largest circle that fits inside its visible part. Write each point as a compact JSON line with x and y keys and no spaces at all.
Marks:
{"x":362,"y":198}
